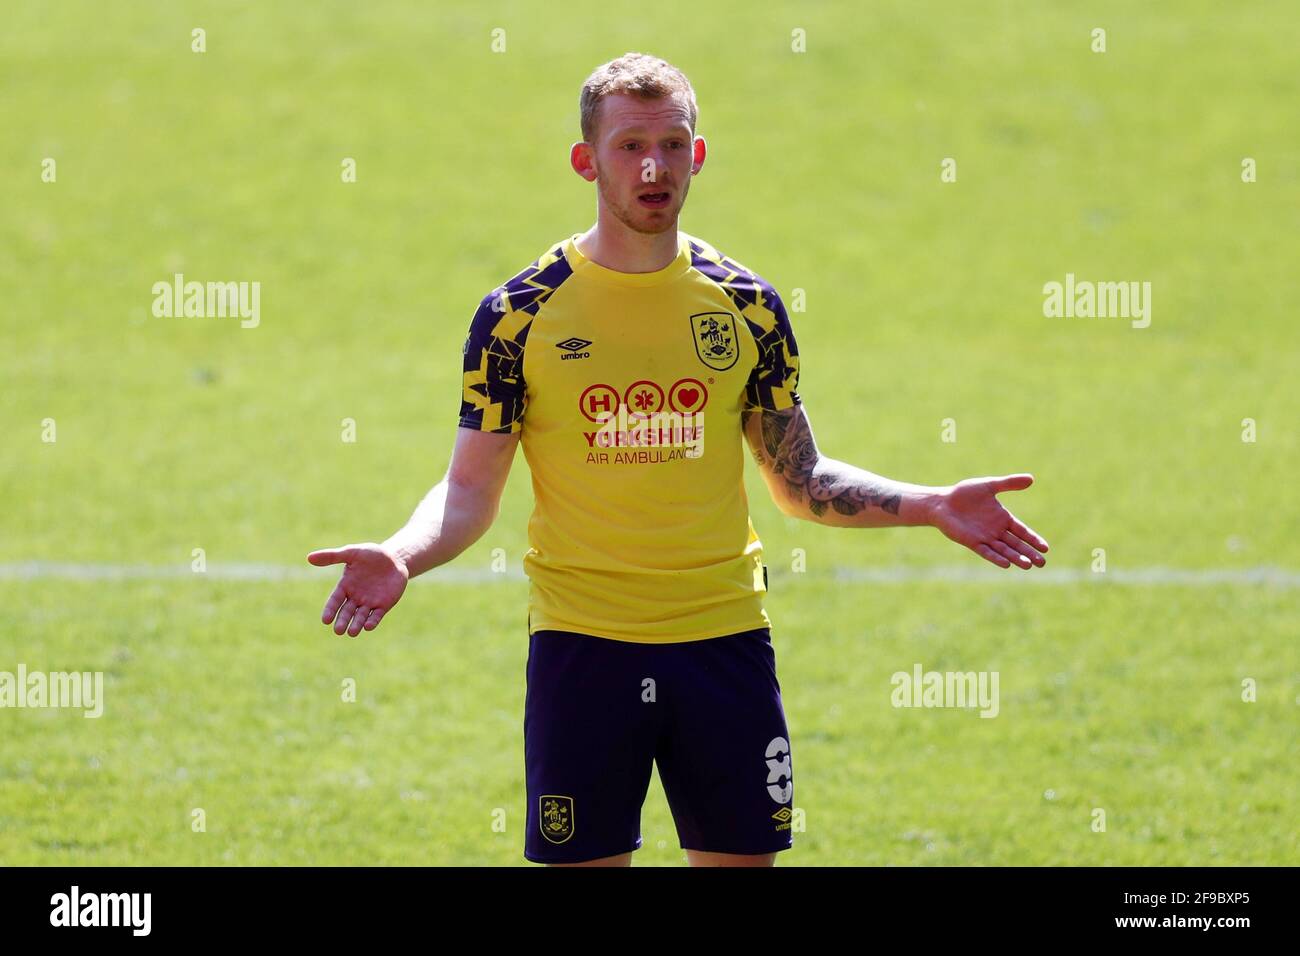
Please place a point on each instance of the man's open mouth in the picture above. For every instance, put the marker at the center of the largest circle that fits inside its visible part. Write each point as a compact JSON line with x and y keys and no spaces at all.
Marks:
{"x":654,"y":200}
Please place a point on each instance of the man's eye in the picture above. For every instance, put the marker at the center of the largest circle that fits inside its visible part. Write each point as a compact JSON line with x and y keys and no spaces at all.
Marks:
{"x":629,"y":146}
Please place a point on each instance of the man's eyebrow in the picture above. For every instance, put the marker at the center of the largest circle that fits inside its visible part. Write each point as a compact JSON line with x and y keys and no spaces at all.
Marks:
{"x":631,"y":130}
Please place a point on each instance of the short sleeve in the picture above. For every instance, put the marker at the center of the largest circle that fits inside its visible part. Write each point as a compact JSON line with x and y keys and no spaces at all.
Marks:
{"x":493,"y":391}
{"x":774,"y":381}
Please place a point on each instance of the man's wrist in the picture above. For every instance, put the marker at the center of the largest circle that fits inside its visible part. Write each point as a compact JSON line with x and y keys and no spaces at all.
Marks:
{"x":924,"y":505}
{"x":398,"y":556}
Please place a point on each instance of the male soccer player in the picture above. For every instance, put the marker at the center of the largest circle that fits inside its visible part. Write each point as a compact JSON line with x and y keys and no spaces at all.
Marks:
{"x":648,"y":640}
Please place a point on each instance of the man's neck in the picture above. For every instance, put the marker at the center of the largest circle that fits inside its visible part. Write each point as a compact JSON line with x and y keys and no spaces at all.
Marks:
{"x":625,"y":250}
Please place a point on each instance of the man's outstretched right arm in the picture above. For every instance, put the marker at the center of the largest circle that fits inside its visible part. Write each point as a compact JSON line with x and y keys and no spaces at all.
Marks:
{"x":453,"y":515}
{"x":460,"y":508}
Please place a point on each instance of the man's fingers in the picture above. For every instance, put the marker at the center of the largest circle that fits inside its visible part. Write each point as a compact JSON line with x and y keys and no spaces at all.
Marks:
{"x":988,"y":554}
{"x":1027,"y":533}
{"x":358,"y":621}
{"x":345,"y":616}
{"x":1011,"y":482}
{"x":1023,"y":548}
{"x":1012,"y":555}
{"x":332,"y":605}
{"x":328,"y":556}
{"x":375,"y":617}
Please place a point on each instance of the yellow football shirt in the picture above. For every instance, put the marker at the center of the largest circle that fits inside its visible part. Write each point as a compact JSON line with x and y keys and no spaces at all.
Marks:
{"x":641,"y":528}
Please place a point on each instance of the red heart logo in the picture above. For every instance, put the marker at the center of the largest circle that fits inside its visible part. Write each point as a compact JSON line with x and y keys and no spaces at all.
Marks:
{"x":689,"y":396}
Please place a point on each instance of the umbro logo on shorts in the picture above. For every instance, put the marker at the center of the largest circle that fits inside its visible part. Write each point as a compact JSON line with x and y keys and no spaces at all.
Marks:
{"x":574,"y":347}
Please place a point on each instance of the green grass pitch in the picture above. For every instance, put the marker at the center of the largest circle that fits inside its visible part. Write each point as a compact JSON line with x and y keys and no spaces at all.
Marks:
{"x":923,"y":303}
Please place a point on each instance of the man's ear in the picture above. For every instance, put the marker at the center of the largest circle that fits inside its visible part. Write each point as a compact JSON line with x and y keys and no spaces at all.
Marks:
{"x":699,"y":149}
{"x":582,"y":157}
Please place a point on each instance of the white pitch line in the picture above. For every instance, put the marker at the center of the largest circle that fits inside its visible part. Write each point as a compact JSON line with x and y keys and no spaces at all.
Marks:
{"x":1140,"y":577}
{"x":238,"y":571}
{"x":1265,"y":576}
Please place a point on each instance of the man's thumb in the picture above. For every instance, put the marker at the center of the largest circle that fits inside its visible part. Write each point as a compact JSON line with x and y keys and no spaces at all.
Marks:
{"x":1011,"y":482}
{"x":331,"y":556}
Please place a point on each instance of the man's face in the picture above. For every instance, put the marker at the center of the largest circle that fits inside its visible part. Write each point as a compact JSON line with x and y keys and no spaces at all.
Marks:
{"x":642,"y":159}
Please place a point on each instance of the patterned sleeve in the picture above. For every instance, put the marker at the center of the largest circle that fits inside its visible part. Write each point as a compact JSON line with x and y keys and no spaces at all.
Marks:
{"x":775,"y":377}
{"x":493,"y":392}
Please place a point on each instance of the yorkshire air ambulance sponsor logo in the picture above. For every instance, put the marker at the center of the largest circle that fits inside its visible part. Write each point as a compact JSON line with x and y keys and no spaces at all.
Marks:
{"x":556,"y":817}
{"x":687,"y":395}
{"x":644,"y":423}
{"x":574,"y":348}
{"x":644,"y":398}
{"x":715,"y":339}
{"x":597,"y":400}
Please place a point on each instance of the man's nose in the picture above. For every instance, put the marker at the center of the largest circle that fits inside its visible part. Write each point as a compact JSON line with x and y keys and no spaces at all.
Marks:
{"x":657,"y":166}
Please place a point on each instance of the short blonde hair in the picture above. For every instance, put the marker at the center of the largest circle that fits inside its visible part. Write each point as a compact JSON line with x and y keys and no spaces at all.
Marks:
{"x":639,"y":74}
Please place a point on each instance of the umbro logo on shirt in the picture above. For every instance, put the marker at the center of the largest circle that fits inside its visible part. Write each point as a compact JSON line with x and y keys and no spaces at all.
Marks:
{"x":574,"y":348}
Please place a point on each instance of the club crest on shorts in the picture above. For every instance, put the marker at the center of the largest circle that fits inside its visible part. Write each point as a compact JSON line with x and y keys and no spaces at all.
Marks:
{"x":556,"y":817}
{"x":715,"y":339}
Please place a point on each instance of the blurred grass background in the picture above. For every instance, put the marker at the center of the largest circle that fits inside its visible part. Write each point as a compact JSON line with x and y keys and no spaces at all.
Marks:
{"x":924,"y":302}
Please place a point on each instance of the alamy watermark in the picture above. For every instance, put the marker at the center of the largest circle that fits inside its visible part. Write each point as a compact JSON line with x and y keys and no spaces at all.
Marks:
{"x":75,"y":908}
{"x":962,"y":689}
{"x":648,"y":434}
{"x":208,"y":300}
{"x":1082,"y":299}
{"x":77,"y":690}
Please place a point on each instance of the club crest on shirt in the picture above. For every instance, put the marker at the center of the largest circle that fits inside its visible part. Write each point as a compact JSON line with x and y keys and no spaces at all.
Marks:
{"x":556,"y":817}
{"x":715,"y":339}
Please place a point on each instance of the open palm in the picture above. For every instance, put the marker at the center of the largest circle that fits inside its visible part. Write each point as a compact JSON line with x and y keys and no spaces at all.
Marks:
{"x":373,"y":581}
{"x":970,"y":514}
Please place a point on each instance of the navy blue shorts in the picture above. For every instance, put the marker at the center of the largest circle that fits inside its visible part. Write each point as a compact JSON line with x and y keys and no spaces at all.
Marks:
{"x":600,"y":712}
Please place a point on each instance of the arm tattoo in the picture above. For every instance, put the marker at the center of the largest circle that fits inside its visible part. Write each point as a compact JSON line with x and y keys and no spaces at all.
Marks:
{"x":787,"y":442}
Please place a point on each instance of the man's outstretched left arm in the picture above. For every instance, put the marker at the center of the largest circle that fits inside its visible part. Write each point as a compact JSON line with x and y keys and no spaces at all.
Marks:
{"x":806,"y":484}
